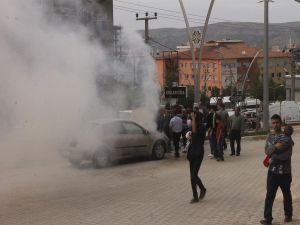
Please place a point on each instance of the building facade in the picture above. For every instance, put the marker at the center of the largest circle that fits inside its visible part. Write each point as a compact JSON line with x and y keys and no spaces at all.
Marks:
{"x":225,"y":64}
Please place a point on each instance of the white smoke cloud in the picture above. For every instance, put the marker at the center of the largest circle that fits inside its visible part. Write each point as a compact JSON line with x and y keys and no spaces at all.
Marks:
{"x":48,"y":79}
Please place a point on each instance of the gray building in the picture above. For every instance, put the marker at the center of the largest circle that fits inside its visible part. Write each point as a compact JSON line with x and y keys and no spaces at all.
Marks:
{"x":288,"y":87}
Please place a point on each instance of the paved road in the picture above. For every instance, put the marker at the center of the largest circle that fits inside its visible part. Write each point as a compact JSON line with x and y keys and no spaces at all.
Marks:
{"x":47,"y":190}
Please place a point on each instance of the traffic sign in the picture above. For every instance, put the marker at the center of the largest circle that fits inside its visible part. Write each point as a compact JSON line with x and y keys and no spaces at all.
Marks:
{"x":176,"y":92}
{"x":236,"y":98}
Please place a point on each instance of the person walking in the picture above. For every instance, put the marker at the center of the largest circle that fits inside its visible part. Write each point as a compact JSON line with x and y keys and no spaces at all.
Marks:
{"x":195,"y":155}
{"x":225,"y":119}
{"x":220,"y":136}
{"x":236,"y":129}
{"x":211,"y":131}
{"x":279,"y":172}
{"x":176,"y":126}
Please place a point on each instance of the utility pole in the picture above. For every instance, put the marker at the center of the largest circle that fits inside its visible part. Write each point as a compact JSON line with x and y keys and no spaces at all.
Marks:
{"x":117,"y":43}
{"x":146,"y":19}
{"x":266,"y":67}
{"x":295,"y":54}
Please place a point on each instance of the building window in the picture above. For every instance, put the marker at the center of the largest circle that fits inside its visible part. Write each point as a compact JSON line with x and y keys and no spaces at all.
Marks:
{"x":273,"y":75}
{"x":215,"y":65}
{"x":186,"y":65}
{"x":186,"y":76}
{"x":181,"y":65}
{"x":192,"y":66}
{"x":209,"y":88}
{"x":279,"y":75}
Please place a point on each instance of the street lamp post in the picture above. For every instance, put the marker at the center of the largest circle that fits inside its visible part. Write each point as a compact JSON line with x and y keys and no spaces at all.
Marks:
{"x":192,"y":48}
{"x":247,"y":73}
{"x":197,"y":76}
{"x":197,"y":98}
{"x":266,"y":67}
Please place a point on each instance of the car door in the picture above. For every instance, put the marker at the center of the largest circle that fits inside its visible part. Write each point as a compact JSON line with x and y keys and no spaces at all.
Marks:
{"x":117,"y":139}
{"x":138,"y":139}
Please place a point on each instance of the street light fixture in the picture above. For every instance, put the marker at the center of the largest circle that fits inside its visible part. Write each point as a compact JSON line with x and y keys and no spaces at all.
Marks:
{"x":197,"y":77}
{"x":247,"y":73}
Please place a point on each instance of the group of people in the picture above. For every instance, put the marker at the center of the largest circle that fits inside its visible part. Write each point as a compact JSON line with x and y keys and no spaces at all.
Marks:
{"x":216,"y":123}
{"x":194,"y":125}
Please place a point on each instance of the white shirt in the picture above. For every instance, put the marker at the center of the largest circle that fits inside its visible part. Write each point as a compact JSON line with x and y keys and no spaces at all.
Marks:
{"x":176,"y":124}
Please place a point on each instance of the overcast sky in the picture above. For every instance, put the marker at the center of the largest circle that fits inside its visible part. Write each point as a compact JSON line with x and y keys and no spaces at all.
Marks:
{"x":224,"y":10}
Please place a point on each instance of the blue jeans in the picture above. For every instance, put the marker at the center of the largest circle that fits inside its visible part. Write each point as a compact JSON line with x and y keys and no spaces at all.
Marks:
{"x":220,"y":151}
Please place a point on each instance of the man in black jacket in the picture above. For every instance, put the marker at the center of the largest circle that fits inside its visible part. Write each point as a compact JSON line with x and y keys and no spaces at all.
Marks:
{"x":195,"y":155}
{"x":279,"y":173}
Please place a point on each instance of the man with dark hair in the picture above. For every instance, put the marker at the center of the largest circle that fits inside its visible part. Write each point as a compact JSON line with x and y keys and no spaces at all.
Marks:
{"x":195,"y":155}
{"x":236,"y":128}
{"x":279,"y":173}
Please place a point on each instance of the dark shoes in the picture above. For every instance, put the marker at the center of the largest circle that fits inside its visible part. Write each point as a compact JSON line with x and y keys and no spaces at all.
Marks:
{"x":202,"y":194}
{"x":288,"y":219}
{"x":232,"y":154}
{"x":194,"y":200}
{"x":177,"y":155}
{"x":237,"y":154}
{"x":265,"y":222}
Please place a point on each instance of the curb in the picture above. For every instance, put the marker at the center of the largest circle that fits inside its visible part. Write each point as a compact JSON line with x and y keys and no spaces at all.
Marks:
{"x":263,"y":137}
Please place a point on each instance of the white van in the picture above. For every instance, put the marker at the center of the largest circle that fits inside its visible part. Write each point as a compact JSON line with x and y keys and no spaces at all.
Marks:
{"x":229,"y":106}
{"x":288,"y":110}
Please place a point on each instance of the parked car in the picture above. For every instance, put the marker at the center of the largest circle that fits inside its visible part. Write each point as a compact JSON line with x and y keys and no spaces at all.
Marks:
{"x":118,"y":139}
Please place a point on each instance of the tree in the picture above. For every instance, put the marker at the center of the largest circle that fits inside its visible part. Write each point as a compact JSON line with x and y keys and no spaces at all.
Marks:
{"x":276,"y":91}
{"x":215,"y":91}
{"x":229,"y":90}
{"x":189,"y":101}
{"x":170,"y":78}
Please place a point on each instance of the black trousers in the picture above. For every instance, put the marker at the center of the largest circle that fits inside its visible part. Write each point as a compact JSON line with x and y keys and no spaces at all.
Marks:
{"x":273,"y":182}
{"x":235,"y":136}
{"x":194,"y":170}
{"x":176,"y":140}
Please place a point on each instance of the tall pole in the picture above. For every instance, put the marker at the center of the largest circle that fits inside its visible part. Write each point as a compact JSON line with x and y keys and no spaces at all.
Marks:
{"x":293,"y":85}
{"x":146,"y":19}
{"x":197,"y":97}
{"x":247,"y":73}
{"x":266,"y":67}
{"x":196,"y":80}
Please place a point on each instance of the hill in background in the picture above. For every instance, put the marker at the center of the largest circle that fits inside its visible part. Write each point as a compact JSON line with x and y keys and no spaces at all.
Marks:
{"x":251,"y":33}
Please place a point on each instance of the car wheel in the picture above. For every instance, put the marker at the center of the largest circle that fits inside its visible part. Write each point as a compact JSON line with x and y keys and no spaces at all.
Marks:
{"x":159,"y":150}
{"x":75,"y":162}
{"x":101,"y":160}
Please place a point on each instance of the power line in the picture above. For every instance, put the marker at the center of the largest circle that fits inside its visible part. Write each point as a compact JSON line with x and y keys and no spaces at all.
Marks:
{"x":200,"y":23}
{"x":161,"y":15}
{"x":167,"y":10}
{"x":191,"y":19}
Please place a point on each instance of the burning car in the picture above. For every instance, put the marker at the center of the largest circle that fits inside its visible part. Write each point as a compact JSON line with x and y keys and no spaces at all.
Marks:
{"x":117,"y":140}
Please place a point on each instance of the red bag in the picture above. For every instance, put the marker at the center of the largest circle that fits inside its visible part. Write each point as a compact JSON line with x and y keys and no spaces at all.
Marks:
{"x":266,"y":161}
